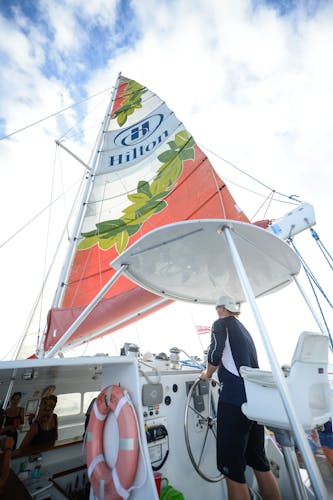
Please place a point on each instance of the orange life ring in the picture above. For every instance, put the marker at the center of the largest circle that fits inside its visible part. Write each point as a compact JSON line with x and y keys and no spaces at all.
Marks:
{"x":112,"y":483}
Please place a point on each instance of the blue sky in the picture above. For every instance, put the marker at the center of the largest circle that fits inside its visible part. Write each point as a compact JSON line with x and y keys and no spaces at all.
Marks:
{"x":288,"y":7}
{"x":87,"y":39}
{"x":251,"y":80}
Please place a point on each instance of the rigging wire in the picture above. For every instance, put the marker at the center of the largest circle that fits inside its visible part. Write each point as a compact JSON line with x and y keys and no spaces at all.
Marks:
{"x":313,"y":281}
{"x":133,"y":191}
{"x":38,"y":300}
{"x":47,"y":237}
{"x":310,"y":273}
{"x":291,"y":202}
{"x":323,"y":249}
{"x":66,"y":134}
{"x":37,"y":215}
{"x":12,"y":349}
{"x":292,"y":197}
{"x":63,"y":190}
{"x":268,"y":199}
{"x":53,"y":114}
{"x":194,"y":325}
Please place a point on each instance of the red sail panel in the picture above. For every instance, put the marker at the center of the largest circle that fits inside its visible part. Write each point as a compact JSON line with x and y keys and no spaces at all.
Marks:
{"x":113,"y":313}
{"x":150,"y":173}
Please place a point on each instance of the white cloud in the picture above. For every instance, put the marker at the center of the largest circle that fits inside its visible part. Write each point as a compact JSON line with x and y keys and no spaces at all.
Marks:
{"x":70,"y":21}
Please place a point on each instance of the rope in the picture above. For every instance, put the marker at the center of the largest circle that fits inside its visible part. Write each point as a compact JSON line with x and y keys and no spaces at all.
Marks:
{"x":66,"y":134}
{"x":310,"y":273}
{"x":153,"y":368}
{"x":313,"y":281}
{"x":322,"y":248}
{"x":267,"y":200}
{"x":291,"y":197}
{"x":271,"y":197}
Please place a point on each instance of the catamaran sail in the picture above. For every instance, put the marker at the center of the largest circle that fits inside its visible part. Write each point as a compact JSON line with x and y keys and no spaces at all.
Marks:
{"x":149,"y":172}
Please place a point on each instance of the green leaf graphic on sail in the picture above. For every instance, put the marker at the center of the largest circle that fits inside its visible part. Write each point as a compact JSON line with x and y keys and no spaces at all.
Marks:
{"x":146,"y":201}
{"x":132,"y":101}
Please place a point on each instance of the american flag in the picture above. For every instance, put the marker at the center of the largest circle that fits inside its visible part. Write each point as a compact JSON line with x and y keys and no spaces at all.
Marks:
{"x":201,"y":330}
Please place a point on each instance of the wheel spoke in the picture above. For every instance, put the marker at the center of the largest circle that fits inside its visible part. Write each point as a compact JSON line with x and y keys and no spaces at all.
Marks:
{"x":203,"y":446}
{"x":213,"y":429}
{"x":197,"y":412}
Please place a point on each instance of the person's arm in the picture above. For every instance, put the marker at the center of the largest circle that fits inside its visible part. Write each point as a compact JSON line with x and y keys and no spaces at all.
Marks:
{"x":217,"y":343}
{"x":22,"y":415}
{"x":208,"y":373}
{"x":32,"y":432}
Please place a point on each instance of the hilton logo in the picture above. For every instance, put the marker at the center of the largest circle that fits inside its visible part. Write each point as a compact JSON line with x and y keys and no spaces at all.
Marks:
{"x":139,"y":131}
{"x":143,"y":133}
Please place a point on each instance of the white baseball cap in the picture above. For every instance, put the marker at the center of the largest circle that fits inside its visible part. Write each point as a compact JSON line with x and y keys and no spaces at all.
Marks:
{"x":228,"y":303}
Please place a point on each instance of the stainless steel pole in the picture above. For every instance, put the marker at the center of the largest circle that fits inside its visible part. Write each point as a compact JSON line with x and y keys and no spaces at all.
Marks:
{"x":310,"y":306}
{"x":315,"y":477}
{"x":84,"y":314}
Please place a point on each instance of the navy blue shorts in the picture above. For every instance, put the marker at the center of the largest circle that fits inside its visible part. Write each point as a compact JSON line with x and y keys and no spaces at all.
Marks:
{"x":240,"y":442}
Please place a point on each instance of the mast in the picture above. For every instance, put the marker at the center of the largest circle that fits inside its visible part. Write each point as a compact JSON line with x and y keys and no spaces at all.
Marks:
{"x":85,"y":196}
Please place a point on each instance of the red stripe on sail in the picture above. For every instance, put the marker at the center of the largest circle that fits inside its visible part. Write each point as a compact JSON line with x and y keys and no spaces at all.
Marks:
{"x":107,"y":312}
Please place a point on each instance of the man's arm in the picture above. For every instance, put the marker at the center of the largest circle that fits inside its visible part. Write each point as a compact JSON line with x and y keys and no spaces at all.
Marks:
{"x":217,"y":343}
{"x":208,"y":373}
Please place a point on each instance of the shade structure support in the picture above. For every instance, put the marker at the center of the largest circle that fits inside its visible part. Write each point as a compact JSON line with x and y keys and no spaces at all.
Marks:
{"x":56,"y":348}
{"x":117,"y":324}
{"x":314,"y":474}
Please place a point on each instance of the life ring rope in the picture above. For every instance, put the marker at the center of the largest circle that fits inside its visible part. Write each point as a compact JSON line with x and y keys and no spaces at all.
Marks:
{"x":95,"y":461}
{"x":125,"y":399}
{"x":98,"y":414}
{"x":120,"y":490}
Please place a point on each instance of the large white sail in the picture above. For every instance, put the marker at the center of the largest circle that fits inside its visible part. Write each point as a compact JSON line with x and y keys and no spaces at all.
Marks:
{"x":150,"y":172}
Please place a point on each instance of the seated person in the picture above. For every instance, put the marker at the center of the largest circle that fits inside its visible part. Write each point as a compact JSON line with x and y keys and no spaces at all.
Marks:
{"x":13,"y":418}
{"x":44,"y":430}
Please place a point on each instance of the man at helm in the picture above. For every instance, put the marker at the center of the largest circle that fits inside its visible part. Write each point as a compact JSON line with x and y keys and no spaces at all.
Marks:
{"x":240,"y":441}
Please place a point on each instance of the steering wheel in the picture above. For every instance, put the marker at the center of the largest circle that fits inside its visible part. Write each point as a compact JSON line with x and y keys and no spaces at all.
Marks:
{"x":200,"y":428}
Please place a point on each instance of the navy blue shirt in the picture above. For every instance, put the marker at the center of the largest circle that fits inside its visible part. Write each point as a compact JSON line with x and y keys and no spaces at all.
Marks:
{"x":231,"y":347}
